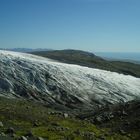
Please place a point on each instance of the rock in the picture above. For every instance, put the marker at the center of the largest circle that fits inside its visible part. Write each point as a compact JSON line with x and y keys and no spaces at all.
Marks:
{"x":2,"y":134}
{"x":10,"y":130}
{"x":69,"y":137}
{"x":111,"y":116}
{"x":54,"y":124}
{"x":89,"y":135}
{"x":13,"y":135}
{"x":52,"y":113}
{"x":118,"y":112}
{"x":49,"y":113}
{"x":1,"y":124}
{"x":127,"y":123}
{"x":23,"y":138}
{"x":65,"y":115}
{"x":30,"y":134}
{"x":77,"y":132}
{"x":59,"y":128}
{"x":66,"y":128}
{"x":101,"y":138}
{"x":39,"y":138}
{"x":27,"y":107}
{"x":122,"y":132}
{"x":129,"y":135}
{"x":36,"y":124}
{"x":98,"y":119}
{"x":124,"y":113}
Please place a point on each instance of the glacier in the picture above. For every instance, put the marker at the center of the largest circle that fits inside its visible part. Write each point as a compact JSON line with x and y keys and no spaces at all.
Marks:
{"x":32,"y":77}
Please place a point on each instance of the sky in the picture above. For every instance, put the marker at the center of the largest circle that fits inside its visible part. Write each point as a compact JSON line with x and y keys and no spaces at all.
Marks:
{"x":91,"y":25}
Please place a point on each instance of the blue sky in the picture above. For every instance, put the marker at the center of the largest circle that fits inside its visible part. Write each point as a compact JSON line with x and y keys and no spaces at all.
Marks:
{"x":92,"y":25}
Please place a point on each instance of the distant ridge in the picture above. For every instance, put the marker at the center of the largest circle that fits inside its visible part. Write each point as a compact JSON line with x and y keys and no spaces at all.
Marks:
{"x":24,"y":49}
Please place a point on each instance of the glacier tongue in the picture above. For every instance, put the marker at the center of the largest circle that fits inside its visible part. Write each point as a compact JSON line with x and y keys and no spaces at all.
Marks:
{"x":28,"y":76}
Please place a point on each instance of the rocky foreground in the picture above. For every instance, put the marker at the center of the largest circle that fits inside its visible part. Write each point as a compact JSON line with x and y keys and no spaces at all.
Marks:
{"x":27,"y":120}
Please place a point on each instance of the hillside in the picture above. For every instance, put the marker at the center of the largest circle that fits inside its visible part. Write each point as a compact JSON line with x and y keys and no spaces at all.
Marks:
{"x":90,"y":60}
{"x":35,"y":121}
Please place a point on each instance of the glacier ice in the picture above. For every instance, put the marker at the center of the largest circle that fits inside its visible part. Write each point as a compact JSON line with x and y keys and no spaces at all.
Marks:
{"x":28,"y":76}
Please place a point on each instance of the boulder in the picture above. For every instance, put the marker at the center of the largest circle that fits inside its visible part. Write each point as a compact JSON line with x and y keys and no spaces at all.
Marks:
{"x":65,"y":115}
{"x":1,"y":124}
{"x":29,"y":134}
{"x":98,"y":119}
{"x":23,"y":138}
{"x":122,"y":131}
{"x":10,"y":130}
{"x":39,"y":138}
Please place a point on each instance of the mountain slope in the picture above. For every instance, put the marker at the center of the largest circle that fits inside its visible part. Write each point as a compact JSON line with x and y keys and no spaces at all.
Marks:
{"x":89,"y":59}
{"x":28,"y":76}
{"x":27,"y":117}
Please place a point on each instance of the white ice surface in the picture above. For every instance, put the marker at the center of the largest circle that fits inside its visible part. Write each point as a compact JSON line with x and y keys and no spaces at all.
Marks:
{"x":86,"y":84}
